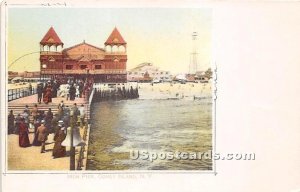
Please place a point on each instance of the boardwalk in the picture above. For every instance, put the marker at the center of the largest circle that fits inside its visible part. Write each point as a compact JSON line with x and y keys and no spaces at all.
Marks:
{"x":30,"y":158}
{"x":18,"y":105}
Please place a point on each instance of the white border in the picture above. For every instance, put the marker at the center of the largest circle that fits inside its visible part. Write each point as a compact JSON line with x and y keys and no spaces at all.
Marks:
{"x":107,"y":4}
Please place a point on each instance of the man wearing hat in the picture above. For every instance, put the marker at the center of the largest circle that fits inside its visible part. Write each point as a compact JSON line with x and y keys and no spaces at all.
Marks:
{"x":39,"y":91}
{"x":37,"y":123}
{"x":42,"y":133}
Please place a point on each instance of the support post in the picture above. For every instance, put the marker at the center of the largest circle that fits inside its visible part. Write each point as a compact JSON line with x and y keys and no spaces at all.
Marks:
{"x":72,"y":150}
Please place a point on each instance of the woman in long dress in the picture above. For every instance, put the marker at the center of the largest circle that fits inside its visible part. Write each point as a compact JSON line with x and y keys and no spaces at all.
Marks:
{"x":23,"y":134}
{"x":58,"y":149}
{"x":47,"y":97}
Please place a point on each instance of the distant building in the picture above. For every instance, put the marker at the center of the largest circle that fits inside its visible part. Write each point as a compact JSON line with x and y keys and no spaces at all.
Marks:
{"x":84,"y":60}
{"x":25,"y":75}
{"x":33,"y":74}
{"x":148,"y":70}
{"x":12,"y":74}
{"x":204,"y":75}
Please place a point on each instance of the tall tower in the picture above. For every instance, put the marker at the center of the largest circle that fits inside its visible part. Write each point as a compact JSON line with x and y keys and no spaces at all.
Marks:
{"x":115,"y":47}
{"x":194,"y":55}
{"x":116,"y":56}
{"x":51,"y":61}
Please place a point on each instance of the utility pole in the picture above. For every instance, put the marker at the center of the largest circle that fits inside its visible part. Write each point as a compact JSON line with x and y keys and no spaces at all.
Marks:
{"x":72,"y":148}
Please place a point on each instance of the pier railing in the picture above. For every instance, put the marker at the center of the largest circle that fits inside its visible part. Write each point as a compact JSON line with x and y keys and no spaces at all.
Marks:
{"x":20,"y":92}
{"x":83,"y":149}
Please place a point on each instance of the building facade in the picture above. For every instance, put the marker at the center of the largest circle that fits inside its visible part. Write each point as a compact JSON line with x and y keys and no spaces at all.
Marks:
{"x":148,"y":69}
{"x":84,"y":60}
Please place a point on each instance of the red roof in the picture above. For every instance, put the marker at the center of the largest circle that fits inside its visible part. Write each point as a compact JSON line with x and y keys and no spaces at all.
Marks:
{"x":115,"y":38}
{"x":51,"y":38}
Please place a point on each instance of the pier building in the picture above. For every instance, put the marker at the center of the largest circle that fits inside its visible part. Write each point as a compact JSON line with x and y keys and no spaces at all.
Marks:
{"x":83,"y":60}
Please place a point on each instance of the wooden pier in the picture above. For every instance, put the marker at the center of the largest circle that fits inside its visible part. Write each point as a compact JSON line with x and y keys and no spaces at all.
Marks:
{"x":44,"y":161}
{"x":22,"y":158}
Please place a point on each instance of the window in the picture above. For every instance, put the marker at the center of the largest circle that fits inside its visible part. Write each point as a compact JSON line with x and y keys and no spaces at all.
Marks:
{"x":98,"y":67}
{"x":83,"y":66}
{"x":69,"y":66}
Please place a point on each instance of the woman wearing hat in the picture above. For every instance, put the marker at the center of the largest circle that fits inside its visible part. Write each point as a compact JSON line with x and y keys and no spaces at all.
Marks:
{"x":23,"y":134}
{"x":58,"y":149}
{"x":47,"y":96}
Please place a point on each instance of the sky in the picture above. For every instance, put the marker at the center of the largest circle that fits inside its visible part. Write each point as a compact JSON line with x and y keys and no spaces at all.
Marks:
{"x":162,"y":36}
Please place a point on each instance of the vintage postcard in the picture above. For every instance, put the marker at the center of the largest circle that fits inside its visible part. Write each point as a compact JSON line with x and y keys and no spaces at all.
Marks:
{"x":109,"y":89}
{"x":122,"y":96}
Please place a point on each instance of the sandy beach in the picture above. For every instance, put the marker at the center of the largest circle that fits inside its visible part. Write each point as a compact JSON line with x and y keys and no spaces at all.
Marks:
{"x":175,"y":91}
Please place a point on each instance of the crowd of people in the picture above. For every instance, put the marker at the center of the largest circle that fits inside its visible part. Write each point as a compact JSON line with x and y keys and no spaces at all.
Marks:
{"x":76,"y":88}
{"x":44,"y":123}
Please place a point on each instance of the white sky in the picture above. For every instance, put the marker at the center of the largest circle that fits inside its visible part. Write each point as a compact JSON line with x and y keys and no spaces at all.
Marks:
{"x":158,"y":35}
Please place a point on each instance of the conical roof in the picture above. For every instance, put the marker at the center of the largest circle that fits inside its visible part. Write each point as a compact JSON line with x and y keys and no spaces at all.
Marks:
{"x":51,"y":38}
{"x":115,"y":38}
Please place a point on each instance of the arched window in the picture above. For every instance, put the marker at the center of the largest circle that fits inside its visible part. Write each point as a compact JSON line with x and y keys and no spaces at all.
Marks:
{"x":52,"y":48}
{"x":122,"y":49}
{"x":59,"y":48}
{"x":46,"y":48}
{"x":115,"y":49}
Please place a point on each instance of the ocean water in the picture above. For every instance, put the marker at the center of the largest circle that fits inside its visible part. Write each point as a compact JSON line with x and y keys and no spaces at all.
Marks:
{"x":156,"y":126}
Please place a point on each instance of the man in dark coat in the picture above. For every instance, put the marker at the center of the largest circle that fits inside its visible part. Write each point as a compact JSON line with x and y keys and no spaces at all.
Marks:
{"x":42,"y":135}
{"x":11,"y":122}
{"x":80,"y":89}
{"x":40,"y":92}
{"x":72,"y":92}
{"x":35,"y":140}
{"x":17,"y":123}
{"x":48,"y":120}
{"x":74,"y":114}
{"x":30,"y":89}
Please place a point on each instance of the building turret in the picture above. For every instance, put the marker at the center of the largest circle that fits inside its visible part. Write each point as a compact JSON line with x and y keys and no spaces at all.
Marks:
{"x":51,"y":42}
{"x":51,"y":59}
{"x":115,"y":43}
